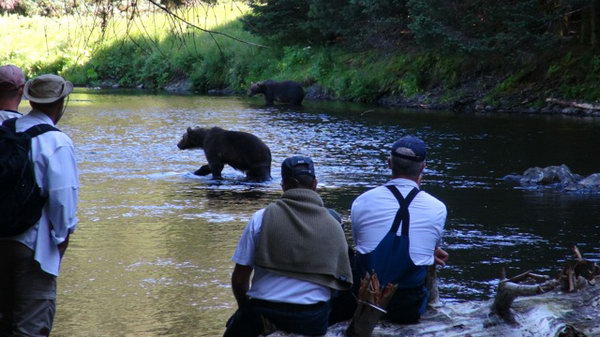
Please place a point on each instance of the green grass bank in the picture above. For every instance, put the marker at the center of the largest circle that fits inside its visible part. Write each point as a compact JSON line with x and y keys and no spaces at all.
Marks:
{"x":155,"y":53}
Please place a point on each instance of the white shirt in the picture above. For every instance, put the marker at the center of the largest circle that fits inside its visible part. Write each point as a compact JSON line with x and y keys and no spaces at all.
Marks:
{"x":374,"y":211}
{"x":56,"y":174}
{"x":8,"y":114}
{"x":270,"y":286}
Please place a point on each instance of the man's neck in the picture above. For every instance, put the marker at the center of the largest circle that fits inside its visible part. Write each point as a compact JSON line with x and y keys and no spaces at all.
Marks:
{"x":9,"y":106}
{"x":415,"y":179}
{"x":52,"y":114}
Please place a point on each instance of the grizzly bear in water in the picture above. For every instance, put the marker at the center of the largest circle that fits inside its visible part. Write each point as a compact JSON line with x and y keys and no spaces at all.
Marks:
{"x":285,"y":92}
{"x":240,"y":150}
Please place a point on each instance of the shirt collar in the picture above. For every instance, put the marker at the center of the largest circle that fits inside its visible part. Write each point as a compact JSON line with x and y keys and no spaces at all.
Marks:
{"x":11,"y":110}
{"x":402,"y":181}
{"x":41,"y":117}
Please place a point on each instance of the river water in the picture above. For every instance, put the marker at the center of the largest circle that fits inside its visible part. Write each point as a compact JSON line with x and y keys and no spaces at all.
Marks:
{"x":151,"y":256}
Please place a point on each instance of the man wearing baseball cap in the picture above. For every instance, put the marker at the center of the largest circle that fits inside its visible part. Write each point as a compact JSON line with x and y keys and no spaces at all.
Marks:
{"x":30,"y":262}
{"x":299,"y":255}
{"x":12,"y":82}
{"x":397,"y":229}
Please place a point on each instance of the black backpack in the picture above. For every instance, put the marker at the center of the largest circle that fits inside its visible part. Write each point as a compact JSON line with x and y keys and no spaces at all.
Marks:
{"x":21,"y":202}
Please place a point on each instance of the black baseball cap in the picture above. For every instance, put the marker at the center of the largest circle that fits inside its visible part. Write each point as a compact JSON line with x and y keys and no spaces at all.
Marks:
{"x":413,"y":143}
{"x":296,"y":166}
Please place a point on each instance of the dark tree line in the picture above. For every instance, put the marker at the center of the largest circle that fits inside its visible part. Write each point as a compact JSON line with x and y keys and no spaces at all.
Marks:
{"x":478,"y":27}
{"x":467,"y":26}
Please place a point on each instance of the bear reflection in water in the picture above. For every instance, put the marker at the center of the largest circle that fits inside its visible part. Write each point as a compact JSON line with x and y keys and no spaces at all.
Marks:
{"x":241,"y":150}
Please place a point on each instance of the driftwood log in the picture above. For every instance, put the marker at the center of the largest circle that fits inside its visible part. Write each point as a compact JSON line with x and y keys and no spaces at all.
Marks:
{"x":586,"y":106}
{"x":527,"y":305}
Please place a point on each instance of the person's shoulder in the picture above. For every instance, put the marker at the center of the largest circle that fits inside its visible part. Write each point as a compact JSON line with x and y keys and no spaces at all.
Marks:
{"x":7,"y":114}
{"x":258,"y":214}
{"x":257,"y":217}
{"x":367,"y":198}
{"x":372,"y":192}
{"x":431,"y":200}
{"x":57,"y":138}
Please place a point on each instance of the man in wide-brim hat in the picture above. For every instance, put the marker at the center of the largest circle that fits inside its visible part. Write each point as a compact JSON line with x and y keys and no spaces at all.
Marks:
{"x":47,"y":88}
{"x":30,"y":262}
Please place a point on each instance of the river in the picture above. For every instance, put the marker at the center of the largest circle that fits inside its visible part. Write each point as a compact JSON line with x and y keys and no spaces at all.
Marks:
{"x":151,"y":256}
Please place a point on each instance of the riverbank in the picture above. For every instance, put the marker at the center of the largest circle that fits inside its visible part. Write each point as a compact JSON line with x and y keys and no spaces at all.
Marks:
{"x":191,"y":61}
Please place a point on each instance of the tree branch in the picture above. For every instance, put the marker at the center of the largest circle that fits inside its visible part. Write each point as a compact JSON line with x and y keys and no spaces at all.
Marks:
{"x":211,"y":32}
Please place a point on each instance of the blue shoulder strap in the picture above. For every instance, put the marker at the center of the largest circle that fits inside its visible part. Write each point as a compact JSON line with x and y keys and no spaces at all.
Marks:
{"x":402,"y":216}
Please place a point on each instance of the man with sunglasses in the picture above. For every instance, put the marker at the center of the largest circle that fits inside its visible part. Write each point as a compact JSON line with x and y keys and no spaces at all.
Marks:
{"x":30,"y":262}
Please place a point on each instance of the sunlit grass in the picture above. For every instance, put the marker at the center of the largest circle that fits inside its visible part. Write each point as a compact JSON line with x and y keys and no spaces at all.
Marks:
{"x":42,"y":44}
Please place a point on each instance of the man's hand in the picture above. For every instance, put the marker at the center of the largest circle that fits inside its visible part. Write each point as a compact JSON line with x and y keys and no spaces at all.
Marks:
{"x":62,"y":247}
{"x":440,"y":256}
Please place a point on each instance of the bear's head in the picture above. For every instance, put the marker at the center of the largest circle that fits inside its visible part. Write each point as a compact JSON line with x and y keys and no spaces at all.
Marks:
{"x":192,"y":138}
{"x":256,"y":88}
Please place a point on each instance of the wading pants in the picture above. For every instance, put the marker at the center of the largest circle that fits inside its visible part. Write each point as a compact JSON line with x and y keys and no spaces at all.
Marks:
{"x":27,"y":294}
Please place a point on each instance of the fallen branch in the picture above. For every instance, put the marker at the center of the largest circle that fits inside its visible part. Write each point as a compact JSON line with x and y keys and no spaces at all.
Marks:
{"x":575,"y":275}
{"x":536,"y":305}
{"x":508,"y":291}
{"x":586,"y":106}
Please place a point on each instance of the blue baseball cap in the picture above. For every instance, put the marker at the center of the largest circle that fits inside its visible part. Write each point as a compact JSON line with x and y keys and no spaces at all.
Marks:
{"x":296,"y":166}
{"x":413,"y":143}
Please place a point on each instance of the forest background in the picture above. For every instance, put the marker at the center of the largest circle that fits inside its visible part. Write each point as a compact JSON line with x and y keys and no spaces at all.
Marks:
{"x":509,"y":55}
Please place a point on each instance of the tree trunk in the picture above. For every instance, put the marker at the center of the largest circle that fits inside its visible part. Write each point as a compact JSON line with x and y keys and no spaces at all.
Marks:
{"x":594,"y":24}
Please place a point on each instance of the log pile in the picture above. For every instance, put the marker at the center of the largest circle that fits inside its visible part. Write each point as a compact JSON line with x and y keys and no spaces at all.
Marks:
{"x":526,"y":305}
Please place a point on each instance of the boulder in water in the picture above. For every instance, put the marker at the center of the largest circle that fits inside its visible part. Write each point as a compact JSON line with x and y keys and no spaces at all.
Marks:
{"x":559,"y":177}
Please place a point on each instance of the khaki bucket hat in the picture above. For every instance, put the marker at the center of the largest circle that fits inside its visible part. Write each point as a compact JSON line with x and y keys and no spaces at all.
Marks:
{"x":47,"y":88}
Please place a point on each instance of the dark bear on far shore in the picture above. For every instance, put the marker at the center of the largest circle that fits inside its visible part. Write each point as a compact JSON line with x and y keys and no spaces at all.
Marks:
{"x":284,"y":92}
{"x":241,"y":150}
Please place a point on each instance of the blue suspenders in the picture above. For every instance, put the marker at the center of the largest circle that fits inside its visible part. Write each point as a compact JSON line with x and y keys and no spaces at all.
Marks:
{"x":391,"y":259}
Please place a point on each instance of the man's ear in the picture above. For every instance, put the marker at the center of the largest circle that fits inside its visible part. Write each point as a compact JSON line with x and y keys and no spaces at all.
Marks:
{"x":389,"y":163}
{"x":314,"y":185}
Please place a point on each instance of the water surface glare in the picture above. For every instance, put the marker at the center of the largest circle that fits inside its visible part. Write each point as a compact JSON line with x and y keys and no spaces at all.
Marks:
{"x":151,"y":256}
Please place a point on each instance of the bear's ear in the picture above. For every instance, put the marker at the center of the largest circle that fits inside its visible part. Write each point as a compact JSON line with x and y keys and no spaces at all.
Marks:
{"x":189,"y":129}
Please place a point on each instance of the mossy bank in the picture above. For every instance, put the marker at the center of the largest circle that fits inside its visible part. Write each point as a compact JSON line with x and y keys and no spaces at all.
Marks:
{"x":190,"y":60}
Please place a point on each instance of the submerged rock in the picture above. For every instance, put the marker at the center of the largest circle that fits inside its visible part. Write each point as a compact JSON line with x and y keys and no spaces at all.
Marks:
{"x":179,"y":86}
{"x":221,"y":92}
{"x":558,"y":177}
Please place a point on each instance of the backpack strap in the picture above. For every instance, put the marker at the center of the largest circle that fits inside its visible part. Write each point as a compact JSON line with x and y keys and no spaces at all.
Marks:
{"x":11,"y":124}
{"x":33,"y":131}
{"x":37,"y":130}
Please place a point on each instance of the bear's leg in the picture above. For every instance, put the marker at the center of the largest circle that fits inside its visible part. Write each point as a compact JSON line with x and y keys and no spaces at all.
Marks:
{"x":215,"y":168}
{"x":269,"y":99}
{"x":259,"y":174}
{"x":203,"y":170}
